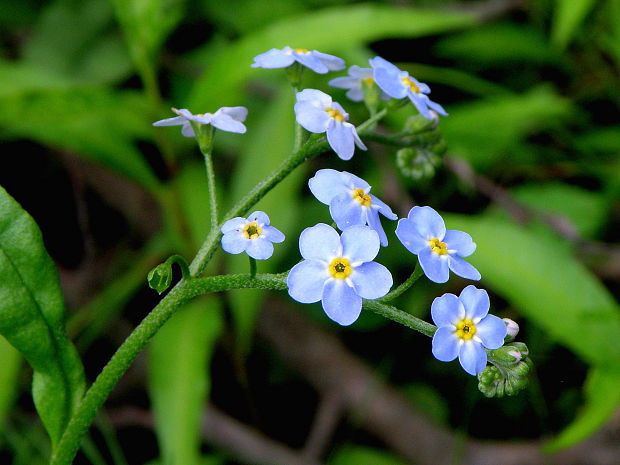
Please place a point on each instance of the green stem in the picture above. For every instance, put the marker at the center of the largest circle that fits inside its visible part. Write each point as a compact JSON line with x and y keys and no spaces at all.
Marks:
{"x":252,"y":267}
{"x":417,"y":272}
{"x":401,"y":317}
{"x":204,"y":137}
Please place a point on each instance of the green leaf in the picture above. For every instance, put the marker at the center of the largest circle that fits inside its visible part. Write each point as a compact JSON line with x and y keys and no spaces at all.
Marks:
{"x":328,"y":30}
{"x":9,"y":371}
{"x":179,"y":378}
{"x":538,"y":274}
{"x":359,"y":455}
{"x":568,"y":15}
{"x":602,"y":399}
{"x":32,"y":315}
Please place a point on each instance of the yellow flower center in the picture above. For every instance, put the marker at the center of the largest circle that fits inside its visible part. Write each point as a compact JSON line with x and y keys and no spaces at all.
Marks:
{"x":409,"y":83}
{"x":368,"y":80}
{"x":303,"y":51}
{"x":252,"y":230}
{"x":334,"y":113}
{"x":340,"y":268}
{"x":465,"y":329}
{"x":362,"y":197}
{"x":440,"y":248}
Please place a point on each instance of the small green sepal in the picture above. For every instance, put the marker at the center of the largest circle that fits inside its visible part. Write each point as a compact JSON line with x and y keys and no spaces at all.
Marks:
{"x":508,"y":373}
{"x":160,"y":277}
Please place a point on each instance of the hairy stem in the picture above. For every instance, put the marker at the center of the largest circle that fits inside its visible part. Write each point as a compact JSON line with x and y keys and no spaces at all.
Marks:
{"x":401,"y":317}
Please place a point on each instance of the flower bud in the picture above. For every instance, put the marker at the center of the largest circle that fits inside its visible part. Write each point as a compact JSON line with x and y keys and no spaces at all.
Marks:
{"x":160,"y":277}
{"x":508,"y":373}
{"x":416,"y":163}
{"x":512,"y":329}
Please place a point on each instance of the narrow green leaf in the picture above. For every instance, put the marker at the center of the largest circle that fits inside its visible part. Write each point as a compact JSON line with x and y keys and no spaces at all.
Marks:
{"x":328,"y":30}
{"x":359,"y":455}
{"x":32,"y":317}
{"x":568,"y":15}
{"x":179,"y":378}
{"x":9,"y":371}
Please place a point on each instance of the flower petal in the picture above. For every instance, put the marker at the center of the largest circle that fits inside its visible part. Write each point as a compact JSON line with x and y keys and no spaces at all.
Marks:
{"x":435,"y":266}
{"x":445,"y":344}
{"x":472,"y":357}
{"x":372,"y":216}
{"x":491,"y":330}
{"x":233,"y":224}
{"x":409,"y":236}
{"x":463,"y":268}
{"x":354,"y":182}
{"x":187,"y":130}
{"x":305,"y":281}
{"x":360,"y":244}
{"x":274,"y":58}
{"x":390,"y":83}
{"x":346,"y":211}
{"x":333,"y":63}
{"x":259,"y":248}
{"x":234,"y":242}
{"x":356,"y":94}
{"x":320,"y":98}
{"x":177,"y":120}
{"x":225,"y":122}
{"x":436,"y":107}
{"x":384,"y":209}
{"x":340,"y":138}
{"x":476,"y":302}
{"x":427,"y":222}
{"x":320,"y":242}
{"x":360,"y":73}
{"x":340,"y":302}
{"x":446,"y":310}
{"x":273,"y":234}
{"x":345,"y":82}
{"x":421,"y":103}
{"x":371,"y":280}
{"x":356,"y":138}
{"x":238,"y":113}
{"x":309,"y":60}
{"x":327,"y":184}
{"x":459,"y":241}
{"x":311,"y":118}
{"x":378,"y":62}
{"x":260,"y":217}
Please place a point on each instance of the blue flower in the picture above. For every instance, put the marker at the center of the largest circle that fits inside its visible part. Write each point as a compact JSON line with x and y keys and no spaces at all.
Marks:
{"x":318,"y":62}
{"x":398,"y":84}
{"x":354,"y":81}
{"x":226,"y":118}
{"x":338,"y":271}
{"x":252,"y":235}
{"x":349,"y":200}
{"x":316,"y":112}
{"x":424,"y":234}
{"x":464,"y":329}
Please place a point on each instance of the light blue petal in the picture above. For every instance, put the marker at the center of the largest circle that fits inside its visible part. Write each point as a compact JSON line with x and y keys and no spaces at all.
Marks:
{"x":371,"y":280}
{"x":421,"y":103}
{"x":306,"y":280}
{"x":473,"y":358}
{"x":435,"y":266}
{"x":408,"y":235}
{"x":259,"y":216}
{"x":225,"y":123}
{"x":273,"y":234}
{"x":372,"y":216}
{"x":423,"y":87}
{"x":234,"y":242}
{"x":340,"y":302}
{"x":319,"y":98}
{"x":356,"y":137}
{"x":378,"y":62}
{"x":238,"y":113}
{"x":427,"y":222}
{"x":320,"y":242}
{"x":205,"y":118}
{"x":459,"y":241}
{"x":233,"y":224}
{"x":327,"y":184}
{"x":274,"y":58}
{"x":311,"y":61}
{"x":333,"y":63}
{"x":384,"y":209}
{"x":187,"y":130}
{"x":463,"y":268}
{"x":360,"y":73}
{"x":390,"y":83}
{"x":447,"y":310}
{"x":359,"y":244}
{"x":184,"y":112}
{"x":346,"y":211}
{"x":356,"y":94}
{"x":340,"y":139}
{"x":345,"y":82}
{"x":436,"y":107}
{"x":491,"y":330}
{"x":177,"y":120}
{"x":354,"y":182}
{"x":312,"y":118}
{"x":476,"y":302}
{"x":259,"y":248}
{"x":445,"y":344}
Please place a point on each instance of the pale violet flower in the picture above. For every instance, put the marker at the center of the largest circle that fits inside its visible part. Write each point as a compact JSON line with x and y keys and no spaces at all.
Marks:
{"x":252,"y":235}
{"x":318,"y":62}
{"x":354,"y":83}
{"x":349,"y":200}
{"x":424,"y":234}
{"x":228,"y":119}
{"x":465,"y":329}
{"x":338,"y":271}
{"x":316,"y":112}
{"x":398,"y":84}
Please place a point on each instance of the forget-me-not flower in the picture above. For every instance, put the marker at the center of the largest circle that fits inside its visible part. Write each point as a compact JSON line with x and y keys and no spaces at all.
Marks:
{"x":464,"y":329}
{"x":316,"y":112}
{"x":398,"y":84}
{"x":424,"y":234}
{"x":354,"y":83}
{"x":228,"y":119}
{"x":252,"y":235}
{"x":318,"y":62}
{"x":349,"y":200}
{"x":338,"y":271}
